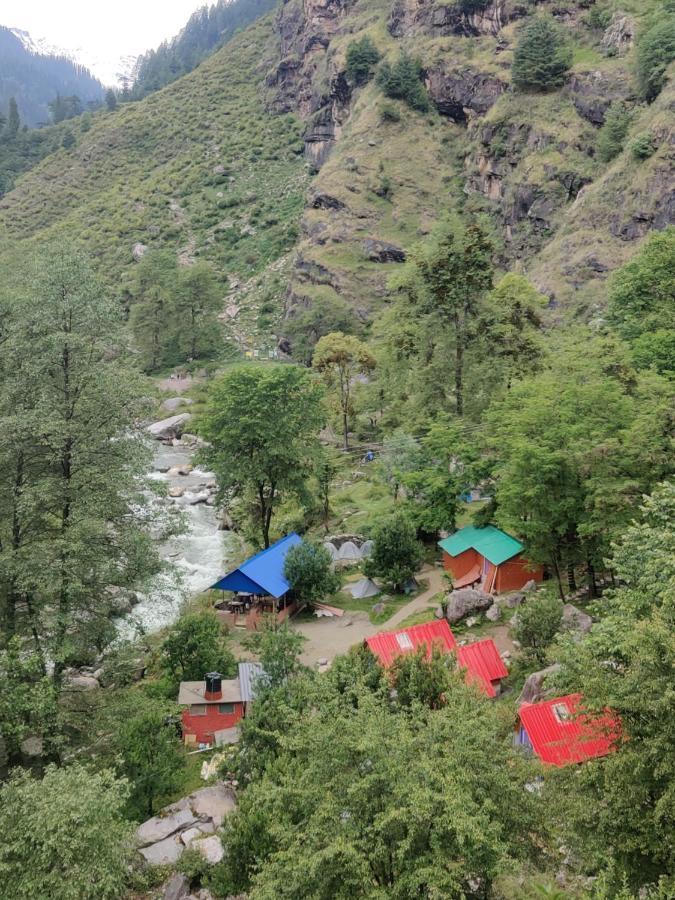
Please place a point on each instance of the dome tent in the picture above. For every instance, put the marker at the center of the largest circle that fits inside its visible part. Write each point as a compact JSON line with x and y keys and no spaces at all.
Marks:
{"x":364,"y":588}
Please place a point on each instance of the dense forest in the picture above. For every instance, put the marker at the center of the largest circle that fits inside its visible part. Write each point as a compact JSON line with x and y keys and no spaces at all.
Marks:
{"x":206,"y":30}
{"x":35,"y":80}
{"x":373,"y":279}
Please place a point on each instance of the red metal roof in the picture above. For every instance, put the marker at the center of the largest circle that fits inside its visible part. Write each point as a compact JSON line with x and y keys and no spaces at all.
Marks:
{"x":559,"y":740}
{"x":483,"y":664}
{"x":387,"y":645}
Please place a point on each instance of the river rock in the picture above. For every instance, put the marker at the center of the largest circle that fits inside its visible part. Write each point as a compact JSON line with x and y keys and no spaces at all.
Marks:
{"x":465,"y":601}
{"x":176,"y":491}
{"x":167,"y":429}
{"x":192,"y":499}
{"x":574,"y":619}
{"x":534,"y":688}
{"x":183,"y":469}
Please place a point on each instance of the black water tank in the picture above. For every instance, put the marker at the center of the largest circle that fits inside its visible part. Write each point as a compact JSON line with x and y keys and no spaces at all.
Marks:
{"x":213,"y":682}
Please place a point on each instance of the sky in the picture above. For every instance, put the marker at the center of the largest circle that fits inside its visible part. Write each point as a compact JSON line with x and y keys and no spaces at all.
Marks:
{"x":102,"y":31}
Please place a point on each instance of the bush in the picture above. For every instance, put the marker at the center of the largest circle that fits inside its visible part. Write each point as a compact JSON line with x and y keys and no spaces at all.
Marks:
{"x":655,"y":51}
{"x":613,"y":133}
{"x":537,"y":623}
{"x":397,"y":553}
{"x":362,"y":57}
{"x":402,"y":81}
{"x":643,"y":146}
{"x":194,"y":646}
{"x":541,"y":57}
{"x":389,"y":112}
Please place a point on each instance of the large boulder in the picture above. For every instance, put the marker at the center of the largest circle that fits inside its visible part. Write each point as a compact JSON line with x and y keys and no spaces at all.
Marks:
{"x":494,"y":614}
{"x":382,"y":252}
{"x":462,"y":93}
{"x":173,"y":819}
{"x":78,"y":682}
{"x":168,"y":429}
{"x":171,"y":404}
{"x":163,"y":853}
{"x":534,"y":688}
{"x":215,"y":802}
{"x":210,"y":849}
{"x":177,"y":887}
{"x":574,"y":619}
{"x":465,"y":601}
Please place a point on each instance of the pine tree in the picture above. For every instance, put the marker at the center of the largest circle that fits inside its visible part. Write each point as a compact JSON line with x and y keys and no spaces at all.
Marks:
{"x":541,"y":57}
{"x":111,"y":100}
{"x":362,"y":56}
{"x":13,"y":118}
{"x":613,"y":133}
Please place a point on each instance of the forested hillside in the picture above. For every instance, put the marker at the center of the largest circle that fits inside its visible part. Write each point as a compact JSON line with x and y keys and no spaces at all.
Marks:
{"x":35,"y":81}
{"x":337,"y":515}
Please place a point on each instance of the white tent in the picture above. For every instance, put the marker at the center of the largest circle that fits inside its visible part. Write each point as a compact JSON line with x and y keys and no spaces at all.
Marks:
{"x":332,"y":549}
{"x":364,"y":588}
{"x":349,"y":551}
{"x":367,"y":549}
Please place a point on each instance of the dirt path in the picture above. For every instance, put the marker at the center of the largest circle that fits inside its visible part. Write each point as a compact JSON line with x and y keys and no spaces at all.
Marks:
{"x":328,"y":638}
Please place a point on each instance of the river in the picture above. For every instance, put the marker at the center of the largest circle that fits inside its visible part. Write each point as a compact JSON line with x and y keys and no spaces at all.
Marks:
{"x":198,"y":556}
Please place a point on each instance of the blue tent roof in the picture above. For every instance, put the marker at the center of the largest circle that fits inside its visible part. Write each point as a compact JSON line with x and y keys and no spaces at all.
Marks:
{"x":262,"y":573}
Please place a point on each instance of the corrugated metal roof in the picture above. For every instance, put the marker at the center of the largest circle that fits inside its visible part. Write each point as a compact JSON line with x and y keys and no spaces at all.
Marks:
{"x":560,"y":733}
{"x":483,"y":664}
{"x":492,"y":543}
{"x":262,"y":573}
{"x":387,"y":645}
{"x":248,"y":673}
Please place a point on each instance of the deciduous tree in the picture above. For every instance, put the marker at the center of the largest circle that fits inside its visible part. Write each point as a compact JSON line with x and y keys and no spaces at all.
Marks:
{"x":341,"y":358}
{"x":396,"y":553}
{"x":262,"y":425}
{"x":308,"y":569}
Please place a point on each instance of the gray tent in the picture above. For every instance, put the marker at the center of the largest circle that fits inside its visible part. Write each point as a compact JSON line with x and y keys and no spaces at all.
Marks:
{"x":364,"y":588}
{"x":332,"y":549}
{"x":349,"y":551}
{"x":367,"y":549}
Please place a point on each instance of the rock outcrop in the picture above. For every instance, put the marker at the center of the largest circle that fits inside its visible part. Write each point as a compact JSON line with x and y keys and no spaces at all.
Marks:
{"x":168,"y":429}
{"x":438,"y":19}
{"x":575,"y":620}
{"x":191,"y":822}
{"x":534,"y":688}
{"x":462,"y":93}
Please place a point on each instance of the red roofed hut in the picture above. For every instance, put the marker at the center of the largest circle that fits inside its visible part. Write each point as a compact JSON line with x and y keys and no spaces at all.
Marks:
{"x":484,"y":666}
{"x":387,"y":645}
{"x":488,"y":558}
{"x":561,"y":733}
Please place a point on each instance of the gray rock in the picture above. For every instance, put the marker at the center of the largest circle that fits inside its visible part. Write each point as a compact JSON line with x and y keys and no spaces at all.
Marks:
{"x":534,"y":688}
{"x":472,"y":620}
{"x":465,"y":601}
{"x":138,"y":251}
{"x":176,"y":888}
{"x":530,"y":586}
{"x":438,"y":612}
{"x":167,"y":429}
{"x":176,"y":817}
{"x":514,"y":600}
{"x":31,"y":746}
{"x":163,"y":853}
{"x":215,"y":802}
{"x":378,"y":608}
{"x":81,"y":683}
{"x":494,"y":614}
{"x":382,"y":252}
{"x":210,"y":848}
{"x":575,"y":620}
{"x":462,"y":93}
{"x":620,"y":34}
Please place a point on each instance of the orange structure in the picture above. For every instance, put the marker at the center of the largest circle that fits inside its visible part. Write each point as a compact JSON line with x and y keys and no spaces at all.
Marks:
{"x":488,"y":558}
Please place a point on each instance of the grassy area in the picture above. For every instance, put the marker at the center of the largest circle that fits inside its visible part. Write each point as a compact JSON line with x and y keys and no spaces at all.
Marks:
{"x":393,"y":602}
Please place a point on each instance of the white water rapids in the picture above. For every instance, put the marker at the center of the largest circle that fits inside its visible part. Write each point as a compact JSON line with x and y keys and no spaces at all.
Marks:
{"x":198,"y":557}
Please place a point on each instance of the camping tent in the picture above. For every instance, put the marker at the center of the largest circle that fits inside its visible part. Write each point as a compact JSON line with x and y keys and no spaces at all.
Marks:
{"x":349,"y":551}
{"x":364,"y":588}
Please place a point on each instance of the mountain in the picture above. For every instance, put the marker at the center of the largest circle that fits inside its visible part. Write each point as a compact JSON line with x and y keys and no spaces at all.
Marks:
{"x":212,"y":165}
{"x":34,"y":73}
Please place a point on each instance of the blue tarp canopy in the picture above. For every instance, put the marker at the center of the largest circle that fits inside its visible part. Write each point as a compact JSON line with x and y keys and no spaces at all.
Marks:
{"x":263,"y":573}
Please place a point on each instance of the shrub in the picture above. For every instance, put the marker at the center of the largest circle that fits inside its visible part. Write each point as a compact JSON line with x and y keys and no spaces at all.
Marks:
{"x":362,"y":57}
{"x":396,"y":552}
{"x":402,"y":81}
{"x":541,"y":57}
{"x":655,"y":51}
{"x":643,"y":146}
{"x":538,"y":622}
{"x":613,"y":133}
{"x":389,"y":112}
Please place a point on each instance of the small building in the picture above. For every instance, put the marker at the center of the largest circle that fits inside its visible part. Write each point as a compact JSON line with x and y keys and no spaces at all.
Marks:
{"x":259,"y":586}
{"x":487,"y":558}
{"x":481,"y":660}
{"x":484,"y":666}
{"x":387,"y":645}
{"x":214,"y":707}
{"x":560,"y":733}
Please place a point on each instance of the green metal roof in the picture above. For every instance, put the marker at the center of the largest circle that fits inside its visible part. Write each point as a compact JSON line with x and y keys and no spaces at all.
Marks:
{"x":495,"y":545}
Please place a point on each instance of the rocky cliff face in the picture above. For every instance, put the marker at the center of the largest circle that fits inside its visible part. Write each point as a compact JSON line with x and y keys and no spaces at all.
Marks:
{"x":528,"y":160}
